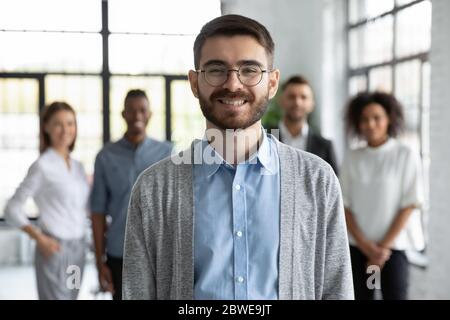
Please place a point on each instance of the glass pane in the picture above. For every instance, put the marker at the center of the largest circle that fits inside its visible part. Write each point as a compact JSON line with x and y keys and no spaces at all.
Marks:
{"x":407,"y":90}
{"x":134,"y":54}
{"x":407,"y":82}
{"x":414,"y":29}
{"x":57,"y":15}
{"x":357,"y":84}
{"x":356,"y":47}
{"x":19,"y":135}
{"x":188,"y":122}
{"x":364,"y":9}
{"x":40,"y":51}
{"x":155,"y":89}
{"x":371,"y":43}
{"x":380,"y":79}
{"x":161,"y":16}
{"x":84,"y":95}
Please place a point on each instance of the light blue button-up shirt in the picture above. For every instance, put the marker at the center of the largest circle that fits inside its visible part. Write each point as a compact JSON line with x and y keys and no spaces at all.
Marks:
{"x":236,"y":228}
{"x":117,"y":167}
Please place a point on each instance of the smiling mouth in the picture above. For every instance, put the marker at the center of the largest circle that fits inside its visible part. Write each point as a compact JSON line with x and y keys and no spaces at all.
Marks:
{"x":233,"y":102}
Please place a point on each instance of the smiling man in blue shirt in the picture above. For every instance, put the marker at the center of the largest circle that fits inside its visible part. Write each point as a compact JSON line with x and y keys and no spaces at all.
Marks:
{"x":117,"y":167}
{"x":238,"y":215}
{"x":236,"y":230}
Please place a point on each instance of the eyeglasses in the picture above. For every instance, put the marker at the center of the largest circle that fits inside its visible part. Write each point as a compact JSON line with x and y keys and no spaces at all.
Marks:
{"x":248,"y":74}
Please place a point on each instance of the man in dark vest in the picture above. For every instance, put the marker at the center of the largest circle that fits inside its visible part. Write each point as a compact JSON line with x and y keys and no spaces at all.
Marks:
{"x":297,"y":102}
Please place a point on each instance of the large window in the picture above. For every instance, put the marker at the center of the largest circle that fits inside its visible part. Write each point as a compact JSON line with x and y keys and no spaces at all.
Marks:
{"x":388,"y":45}
{"x":90,"y":53}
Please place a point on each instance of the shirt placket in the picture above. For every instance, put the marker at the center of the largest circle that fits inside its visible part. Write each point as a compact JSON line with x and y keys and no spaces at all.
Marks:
{"x":136,"y":164}
{"x":240,"y":235}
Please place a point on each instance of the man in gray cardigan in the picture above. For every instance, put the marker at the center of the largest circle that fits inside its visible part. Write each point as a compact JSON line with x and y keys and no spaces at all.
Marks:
{"x":238,"y":215}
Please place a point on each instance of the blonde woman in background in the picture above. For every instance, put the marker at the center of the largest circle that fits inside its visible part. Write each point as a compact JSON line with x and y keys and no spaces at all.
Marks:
{"x":60,"y":189}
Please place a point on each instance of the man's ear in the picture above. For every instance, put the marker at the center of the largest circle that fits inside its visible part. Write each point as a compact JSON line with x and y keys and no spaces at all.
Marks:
{"x":313,"y":105}
{"x":123,"y":114}
{"x":274,"y":79}
{"x":193,"y":81}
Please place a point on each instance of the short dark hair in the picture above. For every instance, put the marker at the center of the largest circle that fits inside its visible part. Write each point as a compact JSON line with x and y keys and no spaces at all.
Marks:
{"x":297,"y":79}
{"x":390,"y":104}
{"x":135,"y":93}
{"x":234,"y":25}
{"x":46,"y":115}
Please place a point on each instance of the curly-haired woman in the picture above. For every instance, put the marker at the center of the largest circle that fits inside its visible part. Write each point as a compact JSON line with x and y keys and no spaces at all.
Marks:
{"x":380,"y":185}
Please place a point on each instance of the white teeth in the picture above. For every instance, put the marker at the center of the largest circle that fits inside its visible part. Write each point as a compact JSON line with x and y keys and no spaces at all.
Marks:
{"x":233,"y":102}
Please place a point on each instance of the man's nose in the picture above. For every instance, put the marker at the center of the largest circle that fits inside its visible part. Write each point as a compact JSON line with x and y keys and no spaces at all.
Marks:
{"x":136,"y":116}
{"x":233,"y":83}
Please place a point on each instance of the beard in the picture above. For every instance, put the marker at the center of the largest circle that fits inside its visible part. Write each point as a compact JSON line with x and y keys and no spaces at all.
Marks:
{"x":294,"y":116}
{"x":253,"y":109}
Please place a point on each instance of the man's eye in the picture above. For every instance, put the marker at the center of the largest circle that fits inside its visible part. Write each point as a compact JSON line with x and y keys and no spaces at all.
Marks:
{"x":249,"y":70}
{"x":213,"y":71}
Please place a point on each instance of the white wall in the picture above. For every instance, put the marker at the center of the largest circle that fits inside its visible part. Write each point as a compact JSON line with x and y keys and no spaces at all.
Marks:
{"x":309,"y":38}
{"x":434,"y":283}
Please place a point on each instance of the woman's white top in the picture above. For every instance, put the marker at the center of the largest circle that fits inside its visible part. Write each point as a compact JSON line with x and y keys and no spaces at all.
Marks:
{"x":60,"y":193}
{"x":377,"y":183}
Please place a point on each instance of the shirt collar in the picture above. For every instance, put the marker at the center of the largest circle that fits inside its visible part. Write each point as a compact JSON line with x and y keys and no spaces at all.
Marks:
{"x":285,"y":132}
{"x":127,"y":144}
{"x":58,"y":157}
{"x":266,"y":154}
{"x":212,"y":160}
{"x":385,"y":146}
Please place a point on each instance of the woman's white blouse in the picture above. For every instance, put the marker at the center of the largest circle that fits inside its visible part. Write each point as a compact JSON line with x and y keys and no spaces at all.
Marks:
{"x":61,"y":195}
{"x":378,"y":182}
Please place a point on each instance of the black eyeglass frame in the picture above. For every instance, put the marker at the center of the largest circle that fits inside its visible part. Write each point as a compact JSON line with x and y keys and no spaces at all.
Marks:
{"x":203,"y":71}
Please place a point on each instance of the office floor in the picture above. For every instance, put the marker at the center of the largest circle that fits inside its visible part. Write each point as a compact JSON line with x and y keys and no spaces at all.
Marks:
{"x":19,"y":283}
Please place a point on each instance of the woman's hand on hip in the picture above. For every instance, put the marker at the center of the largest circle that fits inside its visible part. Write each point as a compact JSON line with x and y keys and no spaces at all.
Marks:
{"x":47,"y":246}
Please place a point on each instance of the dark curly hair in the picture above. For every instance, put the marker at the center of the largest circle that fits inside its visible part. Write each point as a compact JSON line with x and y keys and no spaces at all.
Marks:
{"x":390,"y":104}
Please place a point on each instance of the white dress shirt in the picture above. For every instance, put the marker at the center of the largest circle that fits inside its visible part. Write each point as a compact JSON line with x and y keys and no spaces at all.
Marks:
{"x":377,"y":183}
{"x":60,"y":193}
{"x":299,"y":141}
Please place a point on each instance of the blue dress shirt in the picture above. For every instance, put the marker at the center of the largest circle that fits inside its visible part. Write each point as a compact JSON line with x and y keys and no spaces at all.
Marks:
{"x":117,"y":167}
{"x":236,"y":225}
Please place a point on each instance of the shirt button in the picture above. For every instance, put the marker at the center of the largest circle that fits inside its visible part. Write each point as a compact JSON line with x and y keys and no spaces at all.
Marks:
{"x":240,"y":279}
{"x":238,"y":187}
{"x":239,"y":234}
